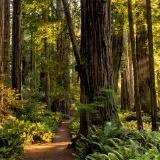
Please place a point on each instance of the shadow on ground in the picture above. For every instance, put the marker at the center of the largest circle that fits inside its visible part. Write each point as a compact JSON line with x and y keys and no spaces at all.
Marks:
{"x":53,"y":151}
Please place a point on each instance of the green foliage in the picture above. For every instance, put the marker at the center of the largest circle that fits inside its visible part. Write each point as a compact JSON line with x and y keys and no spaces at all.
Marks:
{"x":38,"y":126}
{"x":74,"y":127}
{"x":8,"y":99}
{"x":112,"y":143}
{"x":32,"y":132}
{"x":10,"y":144}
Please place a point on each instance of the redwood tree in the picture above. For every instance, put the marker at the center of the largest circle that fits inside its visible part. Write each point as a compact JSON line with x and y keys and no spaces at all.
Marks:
{"x":94,"y":63}
{"x":4,"y":39}
{"x":151,"y":67}
{"x":135,"y":67}
{"x":16,"y":46}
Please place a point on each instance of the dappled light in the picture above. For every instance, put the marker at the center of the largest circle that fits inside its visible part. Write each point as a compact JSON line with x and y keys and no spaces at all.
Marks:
{"x":79,"y":79}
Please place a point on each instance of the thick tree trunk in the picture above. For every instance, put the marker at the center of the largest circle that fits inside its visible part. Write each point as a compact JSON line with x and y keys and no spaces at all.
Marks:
{"x":96,"y":54}
{"x":95,"y":63}
{"x":151,"y":67}
{"x":16,"y":46}
{"x":135,"y":67}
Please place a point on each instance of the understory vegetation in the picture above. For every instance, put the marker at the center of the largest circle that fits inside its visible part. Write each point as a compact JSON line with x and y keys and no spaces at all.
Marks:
{"x":94,"y":62}
{"x":27,"y":124}
{"x":109,"y":142}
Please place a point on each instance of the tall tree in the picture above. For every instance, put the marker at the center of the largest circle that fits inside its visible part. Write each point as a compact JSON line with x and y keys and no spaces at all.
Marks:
{"x":135,"y":67}
{"x":16,"y":46}
{"x":117,"y":43}
{"x":151,"y":66}
{"x":6,"y":43}
{"x":63,"y":57}
{"x":142,"y":56}
{"x":95,"y":60}
{"x":47,"y":57}
{"x":1,"y":37}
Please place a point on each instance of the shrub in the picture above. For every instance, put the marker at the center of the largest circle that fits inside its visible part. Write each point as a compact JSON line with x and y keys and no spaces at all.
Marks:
{"x":10,"y":143}
{"x":9,"y":99}
{"x":112,"y":143}
{"x":74,"y":127}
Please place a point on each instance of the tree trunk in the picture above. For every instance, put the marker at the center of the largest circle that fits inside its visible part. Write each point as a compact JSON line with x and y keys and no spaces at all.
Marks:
{"x":6,"y":43}
{"x":95,"y":61}
{"x":125,"y":92}
{"x":32,"y":65}
{"x":1,"y":38}
{"x":158,"y":85}
{"x":96,"y":55}
{"x":63,"y":51}
{"x":135,"y":68}
{"x":47,"y":55}
{"x":117,"y":50}
{"x":151,"y":67}
{"x":16,"y":46}
{"x":142,"y":57}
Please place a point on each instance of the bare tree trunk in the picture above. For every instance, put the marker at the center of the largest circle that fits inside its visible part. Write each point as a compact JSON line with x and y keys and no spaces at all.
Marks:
{"x":142,"y":57}
{"x":32,"y":64}
{"x":117,"y":50}
{"x":151,"y":67}
{"x":63,"y":50}
{"x":16,"y":46}
{"x":47,"y":75}
{"x":1,"y":38}
{"x":6,"y":43}
{"x":125,"y":90}
{"x":135,"y":67}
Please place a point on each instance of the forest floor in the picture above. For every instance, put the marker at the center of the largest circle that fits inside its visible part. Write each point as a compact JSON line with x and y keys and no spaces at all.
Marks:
{"x":52,"y":151}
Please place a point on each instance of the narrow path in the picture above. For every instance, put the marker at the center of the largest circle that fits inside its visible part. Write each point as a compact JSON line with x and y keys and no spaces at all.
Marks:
{"x":52,"y":151}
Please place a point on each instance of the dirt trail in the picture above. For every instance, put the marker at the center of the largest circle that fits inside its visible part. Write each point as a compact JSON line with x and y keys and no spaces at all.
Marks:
{"x":52,"y":151}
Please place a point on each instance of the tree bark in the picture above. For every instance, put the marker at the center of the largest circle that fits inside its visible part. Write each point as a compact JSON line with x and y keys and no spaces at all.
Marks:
{"x":125,"y":92}
{"x":95,"y":60}
{"x":96,"y":55}
{"x":117,"y":51}
{"x":135,"y":67}
{"x":63,"y":50}
{"x":6,"y":43}
{"x":151,"y":67}
{"x":16,"y":46}
{"x":1,"y":37}
{"x":47,"y":55}
{"x":71,"y":32}
{"x":142,"y":57}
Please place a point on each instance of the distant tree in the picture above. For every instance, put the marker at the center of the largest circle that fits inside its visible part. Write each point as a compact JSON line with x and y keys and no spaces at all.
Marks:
{"x":151,"y":67}
{"x":63,"y":58}
{"x":142,"y":56}
{"x":47,"y":82}
{"x":135,"y":67}
{"x":1,"y":37}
